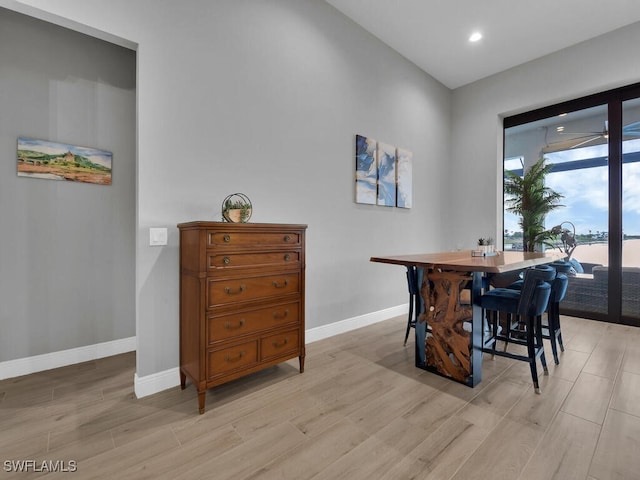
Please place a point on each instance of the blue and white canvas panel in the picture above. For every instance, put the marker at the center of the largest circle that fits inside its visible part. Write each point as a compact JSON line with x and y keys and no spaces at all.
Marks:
{"x":386,"y":174}
{"x":405,"y":178}
{"x":366,"y":170}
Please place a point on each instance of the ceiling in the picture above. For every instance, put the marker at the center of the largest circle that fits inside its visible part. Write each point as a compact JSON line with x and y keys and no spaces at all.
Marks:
{"x":434,"y":34}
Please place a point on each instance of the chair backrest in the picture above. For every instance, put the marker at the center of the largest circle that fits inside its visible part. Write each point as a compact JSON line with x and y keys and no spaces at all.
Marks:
{"x":536,"y":290}
{"x":559,"y":288}
{"x":562,"y":267}
{"x":540,"y":300}
{"x":412,"y":281}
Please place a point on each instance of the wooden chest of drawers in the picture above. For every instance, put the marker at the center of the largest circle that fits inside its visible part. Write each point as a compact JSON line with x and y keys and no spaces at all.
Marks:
{"x":241,"y":300}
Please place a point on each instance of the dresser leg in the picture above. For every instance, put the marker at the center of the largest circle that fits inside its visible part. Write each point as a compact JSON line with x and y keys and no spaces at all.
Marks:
{"x":183,"y":380}
{"x":201,"y":397}
{"x":301,"y":359}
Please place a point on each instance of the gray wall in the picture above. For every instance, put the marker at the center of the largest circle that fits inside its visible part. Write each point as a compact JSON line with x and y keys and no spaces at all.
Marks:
{"x":67,"y":249}
{"x":265,"y":97}
{"x":599,"y":64}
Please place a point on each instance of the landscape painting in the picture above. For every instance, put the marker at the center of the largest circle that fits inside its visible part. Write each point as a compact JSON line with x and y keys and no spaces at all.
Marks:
{"x":60,"y":161}
{"x":366,"y":170}
{"x":386,"y":175}
{"x":405,"y":174}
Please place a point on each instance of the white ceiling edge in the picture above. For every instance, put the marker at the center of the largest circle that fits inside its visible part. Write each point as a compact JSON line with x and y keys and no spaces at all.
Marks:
{"x":434,"y":34}
{"x":54,"y":19}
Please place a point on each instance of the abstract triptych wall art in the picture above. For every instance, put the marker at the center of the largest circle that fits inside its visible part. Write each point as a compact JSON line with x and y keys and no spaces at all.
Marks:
{"x":383,"y":174}
{"x":386,"y":175}
{"x":405,"y":178}
{"x":366,"y":170}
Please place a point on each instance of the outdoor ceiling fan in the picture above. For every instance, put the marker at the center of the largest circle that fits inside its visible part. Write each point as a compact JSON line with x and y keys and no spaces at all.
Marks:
{"x":583,"y":138}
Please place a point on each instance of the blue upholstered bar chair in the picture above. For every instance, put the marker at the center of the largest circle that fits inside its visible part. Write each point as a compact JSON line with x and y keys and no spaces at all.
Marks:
{"x":414,"y":281}
{"x":513,"y":321}
{"x":517,"y":285}
{"x":562,"y":267}
{"x":551,"y":330}
{"x":528,"y":304}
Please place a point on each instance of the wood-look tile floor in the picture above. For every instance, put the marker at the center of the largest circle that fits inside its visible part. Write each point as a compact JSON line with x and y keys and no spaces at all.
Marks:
{"x":361,"y":410}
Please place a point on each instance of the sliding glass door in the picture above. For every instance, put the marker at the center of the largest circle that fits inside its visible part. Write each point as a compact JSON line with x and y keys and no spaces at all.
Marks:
{"x":631,"y":211}
{"x":593,"y":144}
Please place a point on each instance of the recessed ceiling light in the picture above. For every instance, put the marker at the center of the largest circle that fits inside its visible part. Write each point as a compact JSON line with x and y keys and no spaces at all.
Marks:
{"x":560,"y":129}
{"x":562,"y":115}
{"x":475,"y":36}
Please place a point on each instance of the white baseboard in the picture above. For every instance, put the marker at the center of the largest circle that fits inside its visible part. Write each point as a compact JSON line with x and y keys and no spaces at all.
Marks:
{"x":47,"y":361}
{"x":343,"y":326}
{"x":156,"y":382}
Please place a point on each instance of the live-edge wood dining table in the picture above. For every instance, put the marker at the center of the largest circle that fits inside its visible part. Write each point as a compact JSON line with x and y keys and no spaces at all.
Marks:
{"x":448,"y":348}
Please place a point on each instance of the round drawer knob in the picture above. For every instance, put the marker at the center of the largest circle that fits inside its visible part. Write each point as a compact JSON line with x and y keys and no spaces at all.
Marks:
{"x":227,"y":238}
{"x":287,"y":238}
{"x":287,"y":257}
{"x":226,"y":260}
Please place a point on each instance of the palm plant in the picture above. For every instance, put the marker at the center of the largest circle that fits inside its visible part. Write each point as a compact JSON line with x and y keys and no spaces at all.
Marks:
{"x":532,"y":201}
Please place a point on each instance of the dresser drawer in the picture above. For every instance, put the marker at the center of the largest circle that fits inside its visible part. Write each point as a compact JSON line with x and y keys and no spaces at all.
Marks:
{"x":222,"y":238}
{"x":235,"y":324}
{"x":279,"y":344}
{"x":227,"y":262}
{"x":228,"y":291}
{"x":232,"y":358}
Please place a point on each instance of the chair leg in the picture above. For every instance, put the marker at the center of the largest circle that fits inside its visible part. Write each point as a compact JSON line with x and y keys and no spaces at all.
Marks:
{"x":531,"y":351}
{"x":558,"y":333}
{"x":538,"y":336}
{"x":406,"y":335}
{"x":559,"y":337}
{"x":554,"y":349}
{"x":553,"y":334}
{"x":508,"y":333}
{"x":492,"y":320}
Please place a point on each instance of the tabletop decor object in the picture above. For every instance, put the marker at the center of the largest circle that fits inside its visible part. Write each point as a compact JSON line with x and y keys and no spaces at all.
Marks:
{"x":567,"y":237}
{"x":485,"y":248}
{"x":236,"y":208}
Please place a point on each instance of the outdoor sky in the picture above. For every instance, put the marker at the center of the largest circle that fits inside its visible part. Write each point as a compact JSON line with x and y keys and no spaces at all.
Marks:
{"x":586,"y":193}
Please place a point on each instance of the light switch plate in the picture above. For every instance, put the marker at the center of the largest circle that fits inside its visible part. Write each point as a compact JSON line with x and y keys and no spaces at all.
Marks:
{"x":157,"y":236}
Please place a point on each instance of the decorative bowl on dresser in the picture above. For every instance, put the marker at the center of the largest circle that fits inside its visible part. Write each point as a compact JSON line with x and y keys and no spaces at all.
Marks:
{"x":241,"y":300}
